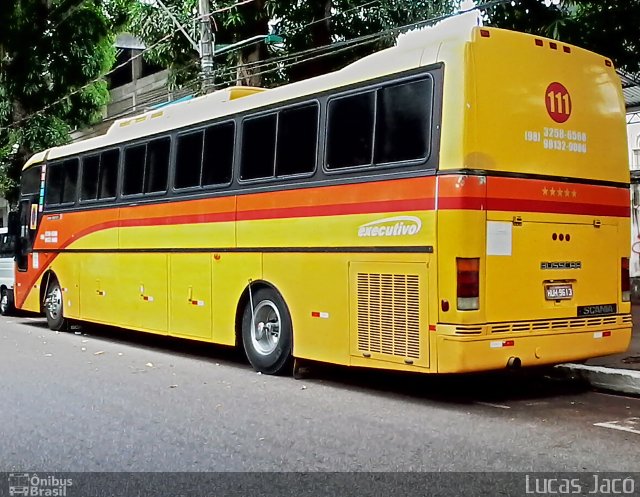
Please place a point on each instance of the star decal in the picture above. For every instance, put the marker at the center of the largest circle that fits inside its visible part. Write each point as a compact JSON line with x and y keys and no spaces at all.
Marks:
{"x":545,"y":191}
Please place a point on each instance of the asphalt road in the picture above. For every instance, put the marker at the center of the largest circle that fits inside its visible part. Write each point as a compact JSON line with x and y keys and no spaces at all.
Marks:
{"x":109,"y":400}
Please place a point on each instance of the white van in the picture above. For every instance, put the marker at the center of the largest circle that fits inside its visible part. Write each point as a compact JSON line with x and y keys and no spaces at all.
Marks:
{"x":7,"y":277}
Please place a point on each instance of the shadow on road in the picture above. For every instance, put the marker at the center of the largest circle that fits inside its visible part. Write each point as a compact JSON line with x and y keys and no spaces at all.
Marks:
{"x":493,"y":387}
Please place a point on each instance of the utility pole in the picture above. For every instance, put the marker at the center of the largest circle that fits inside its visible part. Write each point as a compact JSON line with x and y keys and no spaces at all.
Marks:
{"x":206,"y":45}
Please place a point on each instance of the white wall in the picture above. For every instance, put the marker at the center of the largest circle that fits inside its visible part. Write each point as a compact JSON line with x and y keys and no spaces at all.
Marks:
{"x":633,"y":138}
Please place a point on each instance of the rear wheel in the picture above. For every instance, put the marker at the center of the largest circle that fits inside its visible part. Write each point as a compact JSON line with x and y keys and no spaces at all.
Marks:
{"x":267,"y":333}
{"x":6,"y":302}
{"x":54,"y":306}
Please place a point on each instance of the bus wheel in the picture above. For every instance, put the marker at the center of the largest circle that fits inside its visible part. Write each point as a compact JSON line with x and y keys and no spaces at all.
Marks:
{"x":6,"y":302}
{"x":267,"y":333}
{"x":53,"y":306}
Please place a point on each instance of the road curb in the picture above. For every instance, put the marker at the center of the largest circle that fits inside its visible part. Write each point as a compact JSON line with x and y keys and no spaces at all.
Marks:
{"x":616,"y":380}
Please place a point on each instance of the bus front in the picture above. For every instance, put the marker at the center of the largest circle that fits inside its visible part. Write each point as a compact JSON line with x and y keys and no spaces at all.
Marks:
{"x":533,"y":206}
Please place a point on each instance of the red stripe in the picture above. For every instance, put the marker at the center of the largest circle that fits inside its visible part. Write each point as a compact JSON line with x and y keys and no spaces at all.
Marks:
{"x":520,"y":205}
{"x":500,"y":204}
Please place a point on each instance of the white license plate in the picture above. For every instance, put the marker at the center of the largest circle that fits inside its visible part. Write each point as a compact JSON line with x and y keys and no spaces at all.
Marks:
{"x":558,"y":292}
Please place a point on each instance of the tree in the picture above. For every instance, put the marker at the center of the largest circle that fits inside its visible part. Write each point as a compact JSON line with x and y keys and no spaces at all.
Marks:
{"x":52,"y":56}
{"x":307,"y":25}
{"x":303,"y":25}
{"x":608,"y":27}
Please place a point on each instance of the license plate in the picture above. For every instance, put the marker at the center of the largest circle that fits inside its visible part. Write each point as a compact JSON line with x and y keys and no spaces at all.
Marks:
{"x":558,"y":292}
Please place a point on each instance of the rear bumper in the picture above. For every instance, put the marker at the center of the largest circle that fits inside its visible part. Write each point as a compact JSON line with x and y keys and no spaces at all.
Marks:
{"x":485,"y":353}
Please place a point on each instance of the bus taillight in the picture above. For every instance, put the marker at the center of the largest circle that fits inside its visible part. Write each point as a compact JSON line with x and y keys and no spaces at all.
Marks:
{"x":625,"y":282}
{"x":468,"y":274}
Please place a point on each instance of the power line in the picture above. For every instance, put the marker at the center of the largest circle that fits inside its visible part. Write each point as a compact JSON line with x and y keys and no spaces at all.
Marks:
{"x":330,"y":48}
{"x":305,"y":56}
{"x":100,"y":78}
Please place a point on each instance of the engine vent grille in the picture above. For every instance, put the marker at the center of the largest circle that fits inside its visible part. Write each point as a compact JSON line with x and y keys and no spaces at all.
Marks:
{"x":389,"y":314}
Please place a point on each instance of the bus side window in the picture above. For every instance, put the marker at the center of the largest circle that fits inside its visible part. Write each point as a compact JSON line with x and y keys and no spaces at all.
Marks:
{"x":188,"y":169}
{"x":134,"y":158}
{"x":62,"y":182}
{"x":403,"y":122}
{"x":350,"y":131}
{"x":217,"y":161}
{"x":156,"y":171}
{"x":258,"y":147}
{"x":90,"y":172}
{"x":297,"y":140}
{"x":108,"y":180}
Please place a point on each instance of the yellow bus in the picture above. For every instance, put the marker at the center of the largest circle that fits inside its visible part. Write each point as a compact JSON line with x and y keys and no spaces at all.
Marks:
{"x":447,"y":205}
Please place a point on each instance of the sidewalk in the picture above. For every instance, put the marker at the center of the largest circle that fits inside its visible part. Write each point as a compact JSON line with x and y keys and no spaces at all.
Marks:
{"x":618,"y":373}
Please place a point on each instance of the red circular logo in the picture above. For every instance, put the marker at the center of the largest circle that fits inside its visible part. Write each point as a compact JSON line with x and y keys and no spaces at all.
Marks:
{"x":558,"y":102}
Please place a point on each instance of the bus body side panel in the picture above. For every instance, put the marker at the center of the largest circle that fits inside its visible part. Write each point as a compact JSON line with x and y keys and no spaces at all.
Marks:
{"x":336,"y":237}
{"x":232,"y":274}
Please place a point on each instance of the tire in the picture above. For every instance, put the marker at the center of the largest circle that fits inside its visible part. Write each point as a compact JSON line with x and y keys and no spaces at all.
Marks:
{"x":6,"y":302}
{"x":268,"y":342}
{"x":54,"y":306}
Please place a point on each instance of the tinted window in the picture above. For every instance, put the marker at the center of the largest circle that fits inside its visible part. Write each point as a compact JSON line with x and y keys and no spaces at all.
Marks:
{"x":403,"y":122}
{"x":218,"y":154}
{"x":297,"y":138}
{"x":156,"y":170}
{"x":146,"y":167}
{"x":30,"y":181}
{"x":350,"y":131}
{"x":54,"y":183}
{"x":134,"y":158}
{"x":189,"y":160}
{"x":70,"y":168}
{"x":108,"y":182}
{"x":258,"y":147}
{"x":62,"y":182}
{"x":90,"y":175}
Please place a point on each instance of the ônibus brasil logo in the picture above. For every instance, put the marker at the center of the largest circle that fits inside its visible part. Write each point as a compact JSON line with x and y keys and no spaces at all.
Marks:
{"x":558,"y":102}
{"x":391,"y":226}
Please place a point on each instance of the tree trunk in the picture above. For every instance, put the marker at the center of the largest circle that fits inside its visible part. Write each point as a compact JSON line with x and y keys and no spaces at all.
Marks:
{"x":257,"y":25}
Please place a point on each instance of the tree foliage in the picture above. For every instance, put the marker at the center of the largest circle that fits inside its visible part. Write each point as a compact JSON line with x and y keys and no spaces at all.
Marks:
{"x":303,"y":26}
{"x":52,"y":55}
{"x":608,"y":27}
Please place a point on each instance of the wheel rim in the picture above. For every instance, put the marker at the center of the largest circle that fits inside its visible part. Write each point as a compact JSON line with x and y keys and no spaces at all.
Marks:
{"x":54,"y":303}
{"x":4,"y":302}
{"x":265,"y":327}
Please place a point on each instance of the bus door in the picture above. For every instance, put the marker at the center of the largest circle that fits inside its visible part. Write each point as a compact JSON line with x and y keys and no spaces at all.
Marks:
{"x":28,"y":212}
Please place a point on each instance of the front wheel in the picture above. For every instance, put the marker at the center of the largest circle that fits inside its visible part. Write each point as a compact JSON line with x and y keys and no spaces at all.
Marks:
{"x":54,"y":306}
{"x":267,"y":333}
{"x":6,"y":302}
